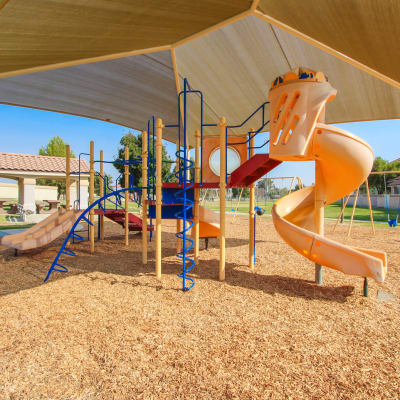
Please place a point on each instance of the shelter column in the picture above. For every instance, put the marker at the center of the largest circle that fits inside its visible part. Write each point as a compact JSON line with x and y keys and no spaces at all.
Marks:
{"x":26,"y":193}
{"x":159,"y":128}
{"x":67,"y":177}
{"x":222,"y":187}
{"x":144,"y":197}
{"x":84,"y":193}
{"x":126,"y":174}
{"x":91,"y":196}
{"x":197,"y":197}
{"x":73,"y":192}
{"x":251,"y":209}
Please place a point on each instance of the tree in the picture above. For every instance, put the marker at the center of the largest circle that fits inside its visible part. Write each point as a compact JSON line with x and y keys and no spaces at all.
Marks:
{"x":57,"y":148}
{"x":377,"y":182}
{"x":236,"y":192}
{"x":135,"y":151}
{"x":269,"y":186}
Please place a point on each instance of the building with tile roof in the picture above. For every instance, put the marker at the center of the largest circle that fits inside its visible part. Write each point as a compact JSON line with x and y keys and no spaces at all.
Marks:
{"x":26,"y":168}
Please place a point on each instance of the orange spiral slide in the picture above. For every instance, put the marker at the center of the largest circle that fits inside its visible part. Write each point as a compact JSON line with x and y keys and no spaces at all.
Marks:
{"x":342,"y":160}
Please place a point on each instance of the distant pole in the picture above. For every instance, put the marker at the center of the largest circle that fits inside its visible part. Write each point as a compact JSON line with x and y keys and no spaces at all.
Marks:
{"x":101,"y":183}
{"x":251,"y":209}
{"x":222,"y":197}
{"x":365,"y":287}
{"x":319,"y":214}
{"x":159,"y":128}
{"x":144,"y":197}
{"x":126,"y":175}
{"x":67,"y":177}
{"x":342,"y":213}
{"x":91,"y":196}
{"x":197,"y":197}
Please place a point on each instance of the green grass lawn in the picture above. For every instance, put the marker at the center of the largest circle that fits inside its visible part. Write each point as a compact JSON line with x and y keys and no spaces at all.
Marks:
{"x":6,"y":224}
{"x":331,"y":211}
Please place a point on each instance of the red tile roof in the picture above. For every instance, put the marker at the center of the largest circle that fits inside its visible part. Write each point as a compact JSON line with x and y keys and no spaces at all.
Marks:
{"x":36,"y":163}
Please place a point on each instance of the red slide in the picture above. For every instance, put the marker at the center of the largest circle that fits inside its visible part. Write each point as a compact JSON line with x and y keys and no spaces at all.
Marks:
{"x":118,"y":216}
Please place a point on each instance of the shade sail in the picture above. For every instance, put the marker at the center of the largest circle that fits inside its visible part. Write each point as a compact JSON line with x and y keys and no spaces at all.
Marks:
{"x":132,"y":78}
{"x":44,"y":32}
{"x":365,"y":30}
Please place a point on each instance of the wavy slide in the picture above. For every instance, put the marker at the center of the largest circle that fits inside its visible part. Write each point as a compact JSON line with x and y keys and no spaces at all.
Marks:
{"x":343,"y":162}
{"x":44,"y":232}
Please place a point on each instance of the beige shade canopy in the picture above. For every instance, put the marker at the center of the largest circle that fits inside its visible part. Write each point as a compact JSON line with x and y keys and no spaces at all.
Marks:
{"x":124,"y":61}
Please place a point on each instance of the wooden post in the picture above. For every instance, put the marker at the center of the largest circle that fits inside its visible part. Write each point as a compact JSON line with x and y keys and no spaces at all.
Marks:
{"x":91,"y":197}
{"x":222,"y":187}
{"x":159,"y":128}
{"x":251,"y":211}
{"x":178,"y":221}
{"x":102,"y":181}
{"x":144,"y":197}
{"x":291,"y":185}
{"x":319,"y":214}
{"x":197,"y":197}
{"x":67,"y":177}
{"x":126,"y":175}
{"x":340,"y":217}
{"x":352,"y":213}
{"x":370,"y":207}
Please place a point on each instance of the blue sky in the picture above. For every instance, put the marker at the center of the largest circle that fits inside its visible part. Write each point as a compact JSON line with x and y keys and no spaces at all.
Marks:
{"x":24,"y":130}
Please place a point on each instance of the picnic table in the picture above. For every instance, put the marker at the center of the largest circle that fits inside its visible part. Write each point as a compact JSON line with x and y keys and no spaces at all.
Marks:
{"x":2,"y":210}
{"x":53,"y":206}
{"x":11,"y":203}
{"x":39,"y":206}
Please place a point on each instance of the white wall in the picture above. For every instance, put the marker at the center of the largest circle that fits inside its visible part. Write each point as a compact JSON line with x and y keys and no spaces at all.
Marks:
{"x":377,"y":200}
{"x":10,"y":191}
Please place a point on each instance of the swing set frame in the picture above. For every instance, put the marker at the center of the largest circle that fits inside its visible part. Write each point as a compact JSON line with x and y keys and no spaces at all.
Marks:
{"x":369,"y":203}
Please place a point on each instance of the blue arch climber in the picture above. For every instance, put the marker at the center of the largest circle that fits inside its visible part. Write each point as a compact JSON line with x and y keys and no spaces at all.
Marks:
{"x":72,"y":234}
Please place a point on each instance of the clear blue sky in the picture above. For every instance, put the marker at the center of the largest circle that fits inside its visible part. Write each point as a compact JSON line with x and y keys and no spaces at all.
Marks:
{"x":24,"y":130}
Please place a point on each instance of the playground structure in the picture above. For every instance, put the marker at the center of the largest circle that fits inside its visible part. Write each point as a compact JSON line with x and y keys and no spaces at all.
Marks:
{"x":224,"y":161}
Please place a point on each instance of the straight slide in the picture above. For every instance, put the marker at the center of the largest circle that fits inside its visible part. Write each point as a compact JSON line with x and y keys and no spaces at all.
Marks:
{"x":44,"y":232}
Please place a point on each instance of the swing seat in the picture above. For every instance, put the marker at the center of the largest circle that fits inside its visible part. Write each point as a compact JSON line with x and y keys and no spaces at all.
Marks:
{"x":259,"y":211}
{"x":392,"y":223}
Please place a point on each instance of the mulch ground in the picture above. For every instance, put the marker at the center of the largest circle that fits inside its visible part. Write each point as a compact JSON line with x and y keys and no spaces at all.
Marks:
{"x":109,"y":330}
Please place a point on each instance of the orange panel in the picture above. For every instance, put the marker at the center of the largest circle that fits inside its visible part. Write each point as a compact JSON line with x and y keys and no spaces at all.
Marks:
{"x":211,"y":143}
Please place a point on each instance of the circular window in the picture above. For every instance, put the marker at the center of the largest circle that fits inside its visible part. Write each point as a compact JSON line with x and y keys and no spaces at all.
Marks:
{"x":233,"y":160}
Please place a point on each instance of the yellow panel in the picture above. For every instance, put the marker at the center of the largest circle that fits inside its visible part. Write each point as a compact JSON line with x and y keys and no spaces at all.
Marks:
{"x":365,"y":30}
{"x":41,"y":32}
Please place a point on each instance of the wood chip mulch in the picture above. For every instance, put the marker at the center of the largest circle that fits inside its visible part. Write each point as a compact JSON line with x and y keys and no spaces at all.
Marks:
{"x":109,"y":330}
